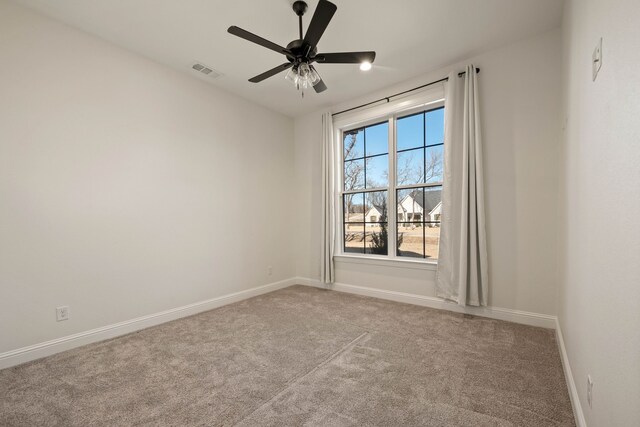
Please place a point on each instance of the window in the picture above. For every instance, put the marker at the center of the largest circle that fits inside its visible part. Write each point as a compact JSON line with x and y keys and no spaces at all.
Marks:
{"x":397,"y":160}
{"x":366,"y":182}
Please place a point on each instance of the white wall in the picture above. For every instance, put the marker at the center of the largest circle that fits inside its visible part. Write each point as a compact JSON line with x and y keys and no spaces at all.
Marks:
{"x":599,"y":304}
{"x":520,"y":98}
{"x":127,"y":188}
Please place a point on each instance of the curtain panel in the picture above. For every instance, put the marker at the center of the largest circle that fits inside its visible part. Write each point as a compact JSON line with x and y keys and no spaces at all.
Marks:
{"x":462,"y":274}
{"x":327,"y":272}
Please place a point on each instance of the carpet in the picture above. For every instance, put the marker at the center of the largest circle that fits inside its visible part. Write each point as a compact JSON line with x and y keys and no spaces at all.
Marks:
{"x":301,"y":356}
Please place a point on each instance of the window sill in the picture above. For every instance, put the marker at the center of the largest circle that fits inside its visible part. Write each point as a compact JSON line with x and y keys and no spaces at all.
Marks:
{"x":386,"y":262}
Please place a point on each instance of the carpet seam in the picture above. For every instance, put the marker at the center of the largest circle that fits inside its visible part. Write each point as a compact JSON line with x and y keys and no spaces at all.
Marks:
{"x":299,"y":378}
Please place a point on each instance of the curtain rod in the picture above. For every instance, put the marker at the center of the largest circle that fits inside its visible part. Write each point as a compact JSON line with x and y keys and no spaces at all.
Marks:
{"x":388,"y":98}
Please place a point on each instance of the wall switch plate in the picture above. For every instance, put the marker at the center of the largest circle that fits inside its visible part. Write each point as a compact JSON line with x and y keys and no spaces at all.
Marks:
{"x":62,"y":313}
{"x":596,"y":59}
{"x":269,"y":270}
{"x":589,"y":390}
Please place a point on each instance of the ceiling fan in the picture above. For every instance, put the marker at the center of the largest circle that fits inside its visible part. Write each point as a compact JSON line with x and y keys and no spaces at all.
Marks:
{"x":303,"y":52}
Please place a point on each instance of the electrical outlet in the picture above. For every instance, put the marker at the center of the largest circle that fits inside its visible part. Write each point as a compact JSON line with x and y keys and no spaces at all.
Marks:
{"x":269,"y":270}
{"x":596,"y":59}
{"x":589,"y":390}
{"x":62,"y":313}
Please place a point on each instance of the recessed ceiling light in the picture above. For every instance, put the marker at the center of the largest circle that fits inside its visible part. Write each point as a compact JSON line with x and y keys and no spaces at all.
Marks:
{"x":365,"y":66}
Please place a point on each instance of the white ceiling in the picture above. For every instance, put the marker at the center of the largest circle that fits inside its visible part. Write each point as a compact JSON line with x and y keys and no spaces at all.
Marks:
{"x":409,"y":36}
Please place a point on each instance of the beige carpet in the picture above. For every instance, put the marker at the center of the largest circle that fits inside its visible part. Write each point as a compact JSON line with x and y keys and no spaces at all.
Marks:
{"x":300,"y":356}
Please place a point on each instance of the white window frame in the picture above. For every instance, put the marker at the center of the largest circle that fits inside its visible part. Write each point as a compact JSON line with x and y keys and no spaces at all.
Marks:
{"x":429,"y":99}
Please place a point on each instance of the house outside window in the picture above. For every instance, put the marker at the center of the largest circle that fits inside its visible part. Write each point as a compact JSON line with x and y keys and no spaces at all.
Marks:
{"x":394,"y":160}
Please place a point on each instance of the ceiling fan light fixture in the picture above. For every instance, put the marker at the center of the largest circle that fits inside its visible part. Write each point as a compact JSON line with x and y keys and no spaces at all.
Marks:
{"x":292,"y":75}
{"x":365,"y":66}
{"x":303,"y":76}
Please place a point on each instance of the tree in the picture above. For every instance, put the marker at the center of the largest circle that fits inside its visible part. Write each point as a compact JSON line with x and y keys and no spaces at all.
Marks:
{"x":406,"y":170}
{"x":432,"y":169}
{"x":380,"y":240}
{"x":434,"y":165}
{"x":353,"y":171}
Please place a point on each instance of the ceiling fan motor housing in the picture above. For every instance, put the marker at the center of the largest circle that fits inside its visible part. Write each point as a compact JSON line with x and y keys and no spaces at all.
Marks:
{"x":300,"y":51}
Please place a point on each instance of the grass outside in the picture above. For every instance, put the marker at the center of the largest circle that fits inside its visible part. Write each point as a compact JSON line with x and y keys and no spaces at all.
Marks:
{"x":359,"y":241}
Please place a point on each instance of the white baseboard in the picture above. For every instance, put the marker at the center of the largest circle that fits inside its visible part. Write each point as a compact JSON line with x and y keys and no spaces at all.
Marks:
{"x":516,"y":316}
{"x":311,"y":282}
{"x":571,"y":384}
{"x":36,"y":351}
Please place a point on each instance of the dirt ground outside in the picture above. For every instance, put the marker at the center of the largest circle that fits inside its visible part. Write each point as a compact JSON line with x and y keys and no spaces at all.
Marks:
{"x":359,"y":241}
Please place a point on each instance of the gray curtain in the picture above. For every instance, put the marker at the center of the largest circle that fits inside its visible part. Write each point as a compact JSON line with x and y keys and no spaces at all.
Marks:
{"x":327,"y":271}
{"x":462,"y":274}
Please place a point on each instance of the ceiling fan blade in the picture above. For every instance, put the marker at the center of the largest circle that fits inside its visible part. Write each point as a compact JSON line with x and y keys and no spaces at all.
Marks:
{"x":244,"y":34}
{"x":320,"y":86}
{"x":321,"y":18}
{"x":345,"y":57}
{"x":271,"y":72}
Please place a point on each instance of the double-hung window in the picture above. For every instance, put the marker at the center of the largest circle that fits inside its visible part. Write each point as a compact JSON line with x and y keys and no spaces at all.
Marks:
{"x":392,"y":173}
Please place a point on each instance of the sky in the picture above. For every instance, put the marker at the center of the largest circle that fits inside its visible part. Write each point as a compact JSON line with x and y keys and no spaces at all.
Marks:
{"x":418,"y":137}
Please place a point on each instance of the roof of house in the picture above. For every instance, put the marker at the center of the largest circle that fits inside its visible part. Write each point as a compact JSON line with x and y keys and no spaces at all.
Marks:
{"x":381,"y":209}
{"x":427,"y":199}
{"x":357,"y":208}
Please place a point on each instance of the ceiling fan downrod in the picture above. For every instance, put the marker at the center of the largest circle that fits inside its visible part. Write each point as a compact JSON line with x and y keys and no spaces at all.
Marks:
{"x":299,"y":7}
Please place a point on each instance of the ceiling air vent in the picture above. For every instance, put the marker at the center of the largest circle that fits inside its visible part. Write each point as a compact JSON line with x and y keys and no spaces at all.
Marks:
{"x":206,"y":70}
